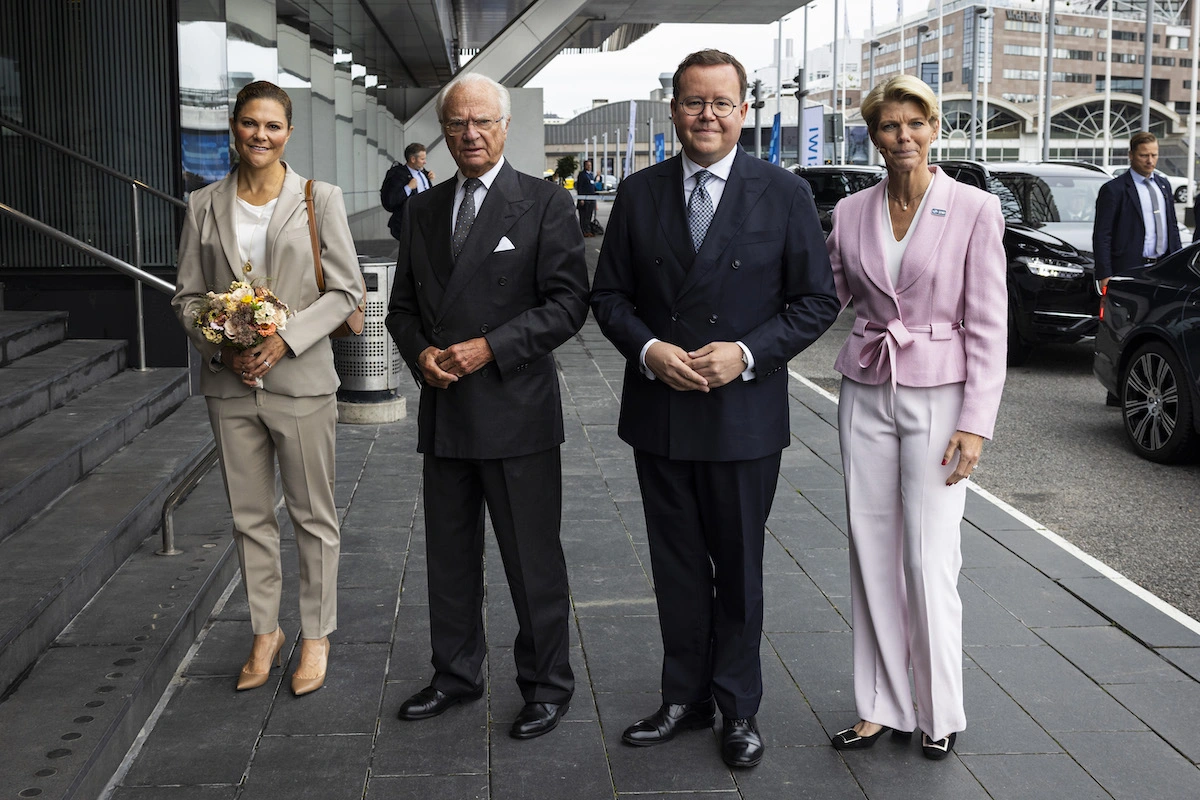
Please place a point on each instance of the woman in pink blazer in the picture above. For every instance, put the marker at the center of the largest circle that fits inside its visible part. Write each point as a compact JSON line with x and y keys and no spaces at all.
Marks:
{"x":921,"y":257}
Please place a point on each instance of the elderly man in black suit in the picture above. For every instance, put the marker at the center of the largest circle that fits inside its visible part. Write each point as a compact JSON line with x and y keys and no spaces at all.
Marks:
{"x":1135,"y":214}
{"x":491,"y":279}
{"x":712,"y":276}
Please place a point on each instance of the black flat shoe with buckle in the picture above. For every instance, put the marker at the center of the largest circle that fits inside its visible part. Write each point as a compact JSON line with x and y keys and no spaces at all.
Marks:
{"x":850,"y":740}
{"x":937,"y":749}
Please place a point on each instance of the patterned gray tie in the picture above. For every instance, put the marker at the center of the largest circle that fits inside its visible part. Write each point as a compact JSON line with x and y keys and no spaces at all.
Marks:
{"x":700,"y":209}
{"x":466,"y":216}
{"x":1160,"y":223}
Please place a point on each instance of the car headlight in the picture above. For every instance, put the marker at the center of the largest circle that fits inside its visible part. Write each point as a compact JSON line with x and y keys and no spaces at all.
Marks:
{"x":1050,"y":267}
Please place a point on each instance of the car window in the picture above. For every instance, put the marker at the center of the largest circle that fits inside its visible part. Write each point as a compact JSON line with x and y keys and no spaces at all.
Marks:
{"x":857,"y":181}
{"x":1009,"y":207}
{"x":1043,"y":200}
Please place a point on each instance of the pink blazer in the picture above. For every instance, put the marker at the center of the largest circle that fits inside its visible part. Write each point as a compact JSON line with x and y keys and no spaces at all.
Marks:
{"x":945,"y":320}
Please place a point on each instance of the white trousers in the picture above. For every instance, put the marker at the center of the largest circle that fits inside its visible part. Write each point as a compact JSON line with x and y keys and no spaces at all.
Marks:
{"x":905,"y":554}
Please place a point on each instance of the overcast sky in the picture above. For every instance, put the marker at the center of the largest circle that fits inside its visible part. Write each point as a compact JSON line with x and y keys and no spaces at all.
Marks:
{"x":570,"y":82}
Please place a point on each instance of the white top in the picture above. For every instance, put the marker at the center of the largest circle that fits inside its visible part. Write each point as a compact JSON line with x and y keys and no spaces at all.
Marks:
{"x":893,"y":250}
{"x":252,"y":222}
{"x":1151,"y":247}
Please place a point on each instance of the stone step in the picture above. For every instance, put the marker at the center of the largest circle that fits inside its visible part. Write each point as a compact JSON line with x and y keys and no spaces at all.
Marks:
{"x":67,"y":726}
{"x":37,"y":383}
{"x":25,"y":332}
{"x":58,"y":560}
{"x":44,"y":458}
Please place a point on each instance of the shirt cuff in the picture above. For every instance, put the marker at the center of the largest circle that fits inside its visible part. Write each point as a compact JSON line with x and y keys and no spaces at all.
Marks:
{"x":748,"y":357}
{"x":642,"y":360}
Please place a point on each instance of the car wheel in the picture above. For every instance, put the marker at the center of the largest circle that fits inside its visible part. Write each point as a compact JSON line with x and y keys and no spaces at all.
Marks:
{"x":1018,"y":348}
{"x":1181,"y":194}
{"x":1156,"y":404}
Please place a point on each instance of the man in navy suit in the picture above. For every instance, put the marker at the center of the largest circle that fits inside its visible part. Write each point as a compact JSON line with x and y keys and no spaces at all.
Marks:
{"x":402,"y":182}
{"x":1135,"y":214}
{"x":712,"y":276}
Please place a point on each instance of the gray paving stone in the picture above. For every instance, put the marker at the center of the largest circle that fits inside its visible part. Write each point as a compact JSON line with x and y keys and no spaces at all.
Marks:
{"x":370,"y":570}
{"x":225,"y":648}
{"x":829,"y":569}
{"x":900,"y":771}
{"x":366,"y":614}
{"x":1057,"y":695}
{"x":818,"y":773}
{"x":225,"y":792}
{"x":349,"y":701}
{"x":1108,"y":655}
{"x":567,"y":762}
{"x":206,"y":734}
{"x":624,"y":654}
{"x":820,"y":663}
{"x":611,"y":590}
{"x":1032,"y":597}
{"x":690,"y":762}
{"x":785,"y":717}
{"x":981,"y":550}
{"x":794,"y":604}
{"x":411,"y":649}
{"x":454,"y":743}
{"x":777,"y":559}
{"x":986,"y":623}
{"x":1186,"y":658}
{"x":1133,"y":765}
{"x":1036,"y":550}
{"x":1170,"y":709}
{"x":1132,"y":613}
{"x":604,"y":544}
{"x":1033,"y":777}
{"x":287,"y":767}
{"x":430,"y":787}
{"x":996,"y":724}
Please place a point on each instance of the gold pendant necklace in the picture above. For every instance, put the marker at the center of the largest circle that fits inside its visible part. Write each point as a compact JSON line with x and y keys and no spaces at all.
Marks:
{"x":904,"y":203}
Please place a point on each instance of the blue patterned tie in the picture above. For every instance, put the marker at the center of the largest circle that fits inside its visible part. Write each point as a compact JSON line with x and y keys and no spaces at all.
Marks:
{"x":700,"y":209}
{"x":466,"y":216}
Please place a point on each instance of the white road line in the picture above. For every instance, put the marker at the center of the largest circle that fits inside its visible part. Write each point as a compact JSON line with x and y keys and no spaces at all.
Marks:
{"x":1091,"y":561}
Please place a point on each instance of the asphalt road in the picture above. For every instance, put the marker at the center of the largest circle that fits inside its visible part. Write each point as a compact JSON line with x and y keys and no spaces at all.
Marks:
{"x":1059,"y":455}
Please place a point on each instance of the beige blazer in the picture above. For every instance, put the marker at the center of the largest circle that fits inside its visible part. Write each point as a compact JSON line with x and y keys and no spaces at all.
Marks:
{"x":209,"y":261}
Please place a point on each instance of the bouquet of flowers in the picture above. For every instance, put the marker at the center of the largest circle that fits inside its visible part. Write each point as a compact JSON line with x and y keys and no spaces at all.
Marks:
{"x":242,"y":317}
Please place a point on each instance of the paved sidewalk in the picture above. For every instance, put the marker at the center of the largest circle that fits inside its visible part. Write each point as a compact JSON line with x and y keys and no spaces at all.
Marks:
{"x":1075,"y":687}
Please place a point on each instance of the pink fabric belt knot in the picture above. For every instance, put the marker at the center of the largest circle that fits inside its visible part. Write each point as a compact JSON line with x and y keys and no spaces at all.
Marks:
{"x":881,"y":347}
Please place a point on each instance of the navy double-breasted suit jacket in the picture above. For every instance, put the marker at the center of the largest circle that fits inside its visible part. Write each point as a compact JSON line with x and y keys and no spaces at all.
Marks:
{"x":521,"y":283}
{"x":1119,"y":232}
{"x":762,"y":277}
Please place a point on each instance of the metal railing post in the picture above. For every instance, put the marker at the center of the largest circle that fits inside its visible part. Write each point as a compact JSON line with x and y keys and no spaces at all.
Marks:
{"x":137,"y":285}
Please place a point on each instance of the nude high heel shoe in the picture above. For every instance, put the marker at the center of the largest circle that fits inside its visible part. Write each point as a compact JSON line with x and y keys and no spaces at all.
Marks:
{"x":313,"y":665}
{"x":248,"y":679}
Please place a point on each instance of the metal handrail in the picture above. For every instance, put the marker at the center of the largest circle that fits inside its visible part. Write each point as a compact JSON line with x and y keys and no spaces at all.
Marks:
{"x":178,"y":493}
{"x":108,"y":260}
{"x":5,"y":122}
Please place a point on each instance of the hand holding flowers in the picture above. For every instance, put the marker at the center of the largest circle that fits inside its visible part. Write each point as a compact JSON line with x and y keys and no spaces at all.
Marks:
{"x":246,"y":320}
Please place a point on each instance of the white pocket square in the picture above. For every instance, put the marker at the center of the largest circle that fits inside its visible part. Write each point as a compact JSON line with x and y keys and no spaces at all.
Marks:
{"x":504,"y":244}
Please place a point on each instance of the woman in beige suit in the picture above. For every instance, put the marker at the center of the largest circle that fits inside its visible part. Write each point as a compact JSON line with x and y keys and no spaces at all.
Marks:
{"x":274,"y":400}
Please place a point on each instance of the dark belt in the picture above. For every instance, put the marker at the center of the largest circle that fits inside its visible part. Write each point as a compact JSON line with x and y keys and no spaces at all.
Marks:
{"x":1150,"y":262}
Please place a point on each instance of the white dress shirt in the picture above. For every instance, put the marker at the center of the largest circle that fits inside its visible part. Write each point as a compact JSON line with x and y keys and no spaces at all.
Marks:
{"x":716,"y":190}
{"x":1151,"y":246}
{"x":480,"y":191}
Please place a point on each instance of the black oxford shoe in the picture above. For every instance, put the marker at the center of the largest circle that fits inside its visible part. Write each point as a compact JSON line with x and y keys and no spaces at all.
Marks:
{"x":536,"y":719}
{"x":429,"y":702}
{"x":741,"y":743}
{"x":670,"y":719}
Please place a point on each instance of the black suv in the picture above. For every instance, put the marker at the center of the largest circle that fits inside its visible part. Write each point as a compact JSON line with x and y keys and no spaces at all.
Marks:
{"x":831,"y":183}
{"x":1049,"y":209}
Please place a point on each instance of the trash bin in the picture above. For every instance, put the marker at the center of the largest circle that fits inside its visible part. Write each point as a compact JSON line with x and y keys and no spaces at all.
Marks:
{"x":370,"y":362}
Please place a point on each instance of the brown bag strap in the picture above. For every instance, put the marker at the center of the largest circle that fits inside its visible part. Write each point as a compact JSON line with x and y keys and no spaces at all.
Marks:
{"x":312,"y":234}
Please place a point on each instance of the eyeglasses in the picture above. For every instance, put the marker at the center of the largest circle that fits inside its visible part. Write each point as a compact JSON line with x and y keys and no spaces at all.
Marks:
{"x":694,"y":106}
{"x":456,"y":127}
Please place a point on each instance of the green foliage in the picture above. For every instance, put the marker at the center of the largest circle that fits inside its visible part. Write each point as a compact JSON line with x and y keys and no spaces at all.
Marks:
{"x":566,"y":168}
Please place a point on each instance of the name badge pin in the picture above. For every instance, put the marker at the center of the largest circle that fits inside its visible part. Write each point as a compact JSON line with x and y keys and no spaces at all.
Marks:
{"x":938,"y":212}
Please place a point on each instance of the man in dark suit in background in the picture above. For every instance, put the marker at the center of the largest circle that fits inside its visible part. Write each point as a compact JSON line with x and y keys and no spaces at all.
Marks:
{"x":1135,"y":214}
{"x":712,"y":276}
{"x":491,"y":278}
{"x":402,"y":182}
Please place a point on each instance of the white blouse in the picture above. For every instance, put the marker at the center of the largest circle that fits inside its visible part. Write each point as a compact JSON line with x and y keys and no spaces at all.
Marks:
{"x":252,"y":222}
{"x":893,"y":250}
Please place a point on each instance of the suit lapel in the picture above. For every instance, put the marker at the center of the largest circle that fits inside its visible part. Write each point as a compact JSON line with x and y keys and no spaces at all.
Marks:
{"x":931,"y":225}
{"x":501,"y":207}
{"x":431,"y":226}
{"x":1135,"y":203}
{"x":224,"y":209}
{"x":666,"y":190}
{"x":291,"y":197}
{"x":741,"y":193}
{"x":872,"y":227}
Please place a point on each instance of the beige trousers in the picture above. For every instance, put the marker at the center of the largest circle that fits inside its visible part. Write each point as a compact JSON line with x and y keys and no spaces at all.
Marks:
{"x":250,"y":432}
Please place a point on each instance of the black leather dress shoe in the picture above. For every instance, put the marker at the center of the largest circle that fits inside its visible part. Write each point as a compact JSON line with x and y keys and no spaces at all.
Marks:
{"x":670,"y":719}
{"x":741,"y":744}
{"x":536,"y":719}
{"x":429,"y":702}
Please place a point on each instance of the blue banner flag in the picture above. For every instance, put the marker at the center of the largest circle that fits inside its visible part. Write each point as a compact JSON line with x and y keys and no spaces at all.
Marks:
{"x":773,"y":154}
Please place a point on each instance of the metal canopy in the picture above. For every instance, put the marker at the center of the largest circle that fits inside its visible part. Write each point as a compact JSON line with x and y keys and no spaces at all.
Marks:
{"x":416,"y":42}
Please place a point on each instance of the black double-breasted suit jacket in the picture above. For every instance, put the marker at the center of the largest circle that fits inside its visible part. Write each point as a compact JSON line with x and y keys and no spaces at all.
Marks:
{"x":521,"y":283}
{"x":761,"y":277}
